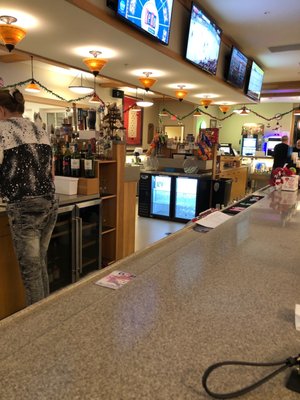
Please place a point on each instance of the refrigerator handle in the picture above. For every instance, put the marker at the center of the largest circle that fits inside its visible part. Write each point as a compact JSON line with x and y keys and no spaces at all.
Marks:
{"x":80,"y":243}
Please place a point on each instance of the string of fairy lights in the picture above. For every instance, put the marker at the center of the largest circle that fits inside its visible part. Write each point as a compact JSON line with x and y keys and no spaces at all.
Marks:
{"x":171,"y":114}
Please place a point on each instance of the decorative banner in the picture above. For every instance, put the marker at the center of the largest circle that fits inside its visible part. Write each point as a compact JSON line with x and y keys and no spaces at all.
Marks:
{"x":132,"y":122}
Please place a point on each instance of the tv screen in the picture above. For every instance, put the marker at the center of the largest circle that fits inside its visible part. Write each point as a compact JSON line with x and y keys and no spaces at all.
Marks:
{"x":237,"y":68}
{"x":271,"y":143}
{"x":249,"y":146}
{"x":255,"y":82}
{"x":150,"y":16}
{"x":204,"y":40}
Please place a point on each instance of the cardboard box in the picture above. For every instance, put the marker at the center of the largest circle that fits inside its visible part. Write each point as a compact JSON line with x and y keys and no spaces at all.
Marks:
{"x":88,"y":186}
{"x":290,"y":183}
{"x":66,"y":185}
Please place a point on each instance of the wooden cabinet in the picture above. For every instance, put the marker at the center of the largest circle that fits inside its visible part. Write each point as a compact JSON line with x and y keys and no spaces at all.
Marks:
{"x":12,"y":296}
{"x":239,"y":177}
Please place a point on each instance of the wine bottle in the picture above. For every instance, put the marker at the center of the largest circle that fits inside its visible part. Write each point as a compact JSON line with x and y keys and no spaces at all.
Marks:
{"x":67,"y":161}
{"x":75,"y":162}
{"x":89,"y":163}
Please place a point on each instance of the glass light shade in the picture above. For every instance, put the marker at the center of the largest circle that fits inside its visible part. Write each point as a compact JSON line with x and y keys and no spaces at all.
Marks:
{"x":95,"y":99}
{"x":224,"y":109}
{"x":180,"y":94}
{"x":10,"y":35}
{"x":147,"y":82}
{"x":95,"y":64}
{"x":242,"y":111}
{"x":197,"y":114}
{"x":206,"y":102}
{"x":144,"y":103}
{"x":81,"y":89}
{"x":163,"y":114}
{"x":32,"y":87}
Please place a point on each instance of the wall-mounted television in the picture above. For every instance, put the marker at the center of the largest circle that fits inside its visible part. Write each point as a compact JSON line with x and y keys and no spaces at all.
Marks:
{"x":256,"y":77}
{"x":237,"y":68}
{"x":204,"y":41}
{"x":150,"y":16}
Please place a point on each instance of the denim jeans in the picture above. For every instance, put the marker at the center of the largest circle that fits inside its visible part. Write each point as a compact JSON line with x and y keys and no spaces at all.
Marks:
{"x":32,"y":221}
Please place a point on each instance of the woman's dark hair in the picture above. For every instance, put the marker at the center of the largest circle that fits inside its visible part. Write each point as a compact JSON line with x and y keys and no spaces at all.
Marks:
{"x":13,"y":101}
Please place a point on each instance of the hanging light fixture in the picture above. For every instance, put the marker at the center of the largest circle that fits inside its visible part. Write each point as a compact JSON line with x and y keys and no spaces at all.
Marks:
{"x":93,"y":63}
{"x":163,"y":112}
{"x":146,"y":81}
{"x":243,"y":111}
{"x":10,"y":34}
{"x":95,"y":98}
{"x":224,"y":108}
{"x":32,"y":87}
{"x":181,"y":93}
{"x":80,"y":89}
{"x":197,"y":113}
{"x":144,"y":103}
{"x":206,"y":102}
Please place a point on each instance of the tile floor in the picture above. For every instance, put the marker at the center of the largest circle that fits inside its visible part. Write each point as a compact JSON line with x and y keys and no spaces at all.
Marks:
{"x":149,"y":230}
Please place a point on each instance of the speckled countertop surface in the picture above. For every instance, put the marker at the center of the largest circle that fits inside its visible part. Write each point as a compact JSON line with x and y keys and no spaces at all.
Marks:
{"x":197,"y":299}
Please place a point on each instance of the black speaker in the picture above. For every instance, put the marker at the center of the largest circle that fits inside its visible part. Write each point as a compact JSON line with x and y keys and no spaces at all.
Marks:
{"x":118,"y":93}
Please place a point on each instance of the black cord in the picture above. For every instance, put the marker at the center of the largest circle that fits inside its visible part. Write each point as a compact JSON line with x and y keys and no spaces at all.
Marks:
{"x":291,"y":361}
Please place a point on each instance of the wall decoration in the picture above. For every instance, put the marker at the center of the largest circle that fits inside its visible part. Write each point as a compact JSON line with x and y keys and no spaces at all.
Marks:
{"x":213,"y":123}
{"x":132,"y":122}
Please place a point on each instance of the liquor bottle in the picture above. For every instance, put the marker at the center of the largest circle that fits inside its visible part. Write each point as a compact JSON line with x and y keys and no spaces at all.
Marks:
{"x":89,"y":161}
{"x":67,"y":161}
{"x":75,"y":162}
{"x":57,"y":159}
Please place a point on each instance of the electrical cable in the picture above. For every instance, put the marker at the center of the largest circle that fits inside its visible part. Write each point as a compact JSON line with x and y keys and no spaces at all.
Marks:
{"x":290,"y":362}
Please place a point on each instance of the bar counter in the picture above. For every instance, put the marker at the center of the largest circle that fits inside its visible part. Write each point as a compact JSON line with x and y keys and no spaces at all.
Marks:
{"x":198,"y":298}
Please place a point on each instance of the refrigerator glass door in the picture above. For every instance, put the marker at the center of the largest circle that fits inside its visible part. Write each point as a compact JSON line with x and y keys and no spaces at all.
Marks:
{"x":61,"y":250}
{"x":185,"y":198}
{"x":88,"y":227}
{"x":161,"y":195}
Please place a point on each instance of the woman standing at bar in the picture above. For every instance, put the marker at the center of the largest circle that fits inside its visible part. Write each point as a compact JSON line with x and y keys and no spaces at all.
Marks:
{"x":26,"y":184}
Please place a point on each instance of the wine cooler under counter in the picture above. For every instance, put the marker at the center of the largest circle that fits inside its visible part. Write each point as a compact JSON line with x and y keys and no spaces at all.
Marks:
{"x":75,"y":246}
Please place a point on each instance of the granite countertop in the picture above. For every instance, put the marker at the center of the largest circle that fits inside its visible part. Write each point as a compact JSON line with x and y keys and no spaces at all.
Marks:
{"x":197,"y":299}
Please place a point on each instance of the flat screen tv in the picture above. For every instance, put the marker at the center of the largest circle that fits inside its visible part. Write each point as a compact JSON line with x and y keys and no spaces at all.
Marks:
{"x":203,"y":42}
{"x":150,"y":16}
{"x":255,"y":82}
{"x":237,"y":68}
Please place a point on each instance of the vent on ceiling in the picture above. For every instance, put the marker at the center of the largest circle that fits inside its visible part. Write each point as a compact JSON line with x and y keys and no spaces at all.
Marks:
{"x":288,"y":47}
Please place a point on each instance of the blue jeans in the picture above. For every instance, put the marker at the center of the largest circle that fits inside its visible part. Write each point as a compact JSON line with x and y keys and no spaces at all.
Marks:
{"x":32,"y":221}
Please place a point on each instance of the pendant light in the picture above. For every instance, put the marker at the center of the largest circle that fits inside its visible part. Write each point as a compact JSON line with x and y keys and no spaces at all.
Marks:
{"x":163,"y":112}
{"x":224,"y":108}
{"x":80,"y":89}
{"x":243,"y":111}
{"x":206,"y":102}
{"x":32,"y":87}
{"x":93,"y":63}
{"x":10,"y":34}
{"x":95,"y":98}
{"x":197,"y":113}
{"x":181,"y":93}
{"x":147,"y":81}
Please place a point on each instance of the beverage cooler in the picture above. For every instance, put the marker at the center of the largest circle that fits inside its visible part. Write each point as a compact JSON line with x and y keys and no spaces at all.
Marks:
{"x":176,"y":198}
{"x":75,"y":245}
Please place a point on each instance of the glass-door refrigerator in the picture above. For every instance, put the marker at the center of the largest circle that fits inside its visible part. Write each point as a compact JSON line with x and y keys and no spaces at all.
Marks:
{"x":61,"y":260}
{"x":88,"y":235}
{"x":185,"y":198}
{"x":161,"y":196}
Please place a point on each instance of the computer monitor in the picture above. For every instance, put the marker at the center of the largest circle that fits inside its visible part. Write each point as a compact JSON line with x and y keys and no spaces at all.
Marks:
{"x":226,"y":149}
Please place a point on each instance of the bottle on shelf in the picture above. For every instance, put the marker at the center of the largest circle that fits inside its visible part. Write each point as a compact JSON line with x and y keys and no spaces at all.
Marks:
{"x":57,"y":159}
{"x":75,"y":162}
{"x":89,"y":163}
{"x":66,"y":164}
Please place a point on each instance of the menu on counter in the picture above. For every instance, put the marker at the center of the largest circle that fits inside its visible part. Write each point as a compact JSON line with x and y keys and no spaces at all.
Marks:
{"x":214,"y":219}
{"x":115,"y":280}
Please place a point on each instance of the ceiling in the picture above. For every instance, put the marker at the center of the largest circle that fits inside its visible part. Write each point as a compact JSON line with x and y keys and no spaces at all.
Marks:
{"x":63,"y":31}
